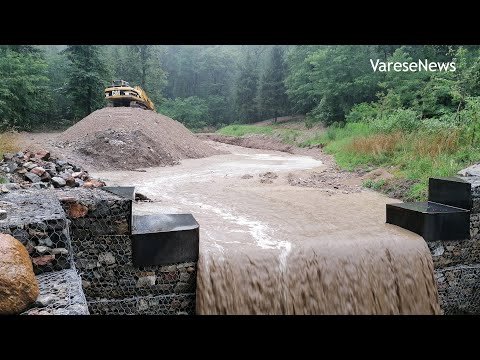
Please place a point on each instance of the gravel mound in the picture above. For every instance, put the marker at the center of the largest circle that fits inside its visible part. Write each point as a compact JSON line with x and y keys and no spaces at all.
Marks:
{"x":130,"y":138}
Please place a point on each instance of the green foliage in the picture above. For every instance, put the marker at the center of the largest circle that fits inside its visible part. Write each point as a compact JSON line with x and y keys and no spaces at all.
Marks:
{"x":208,"y":72}
{"x":24,"y":96}
{"x":363,"y":112}
{"x":272,"y":97}
{"x":192,"y":111}
{"x":472,"y":115}
{"x":398,"y":120}
{"x":417,"y":155}
{"x":402,"y":89}
{"x":57,"y":73}
{"x":246,"y":91}
{"x":55,"y":84}
{"x":418,"y":192}
{"x":289,"y":136}
{"x":218,"y":109}
{"x":329,"y":80}
{"x":468,"y":74}
{"x":284,"y":135}
{"x":87,"y":78}
{"x":139,"y":64}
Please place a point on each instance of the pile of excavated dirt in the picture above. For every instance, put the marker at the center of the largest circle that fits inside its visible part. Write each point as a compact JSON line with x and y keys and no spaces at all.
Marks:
{"x":130,"y":138}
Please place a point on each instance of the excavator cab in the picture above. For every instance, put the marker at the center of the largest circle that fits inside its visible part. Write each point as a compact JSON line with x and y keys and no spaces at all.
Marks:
{"x":119,"y":83}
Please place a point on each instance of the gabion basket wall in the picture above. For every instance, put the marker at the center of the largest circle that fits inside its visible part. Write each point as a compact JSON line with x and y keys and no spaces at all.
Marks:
{"x":37,"y":220}
{"x":106,"y":268}
{"x":100,"y":228}
{"x":457,"y":264}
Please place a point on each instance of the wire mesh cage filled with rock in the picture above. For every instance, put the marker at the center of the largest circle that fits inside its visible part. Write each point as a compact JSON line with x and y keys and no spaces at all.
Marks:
{"x":60,"y":294}
{"x":95,"y":212}
{"x":456,"y":262}
{"x":37,"y":220}
{"x":105,"y":264}
{"x":459,"y":289}
{"x":100,"y":228}
{"x":175,"y":304}
{"x":82,"y":249}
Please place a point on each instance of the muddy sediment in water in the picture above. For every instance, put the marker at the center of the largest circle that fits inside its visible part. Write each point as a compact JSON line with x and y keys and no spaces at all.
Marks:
{"x":321,"y":277}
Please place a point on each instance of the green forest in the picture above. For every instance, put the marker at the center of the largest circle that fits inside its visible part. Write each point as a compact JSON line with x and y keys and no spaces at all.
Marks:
{"x":217,"y":85}
{"x":53,"y":85}
{"x":419,"y":123}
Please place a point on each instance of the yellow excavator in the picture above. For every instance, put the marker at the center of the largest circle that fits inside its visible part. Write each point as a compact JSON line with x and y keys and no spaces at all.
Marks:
{"x":120,"y":93}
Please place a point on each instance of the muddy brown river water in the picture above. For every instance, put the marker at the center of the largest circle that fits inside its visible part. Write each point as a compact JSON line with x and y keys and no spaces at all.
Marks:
{"x":273,"y":248}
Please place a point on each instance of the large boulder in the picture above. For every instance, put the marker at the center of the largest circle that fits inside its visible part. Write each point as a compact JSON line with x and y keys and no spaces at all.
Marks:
{"x":18,"y":286}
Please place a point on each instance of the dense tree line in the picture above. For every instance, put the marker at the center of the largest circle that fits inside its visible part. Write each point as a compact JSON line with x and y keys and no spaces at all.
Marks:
{"x":46,"y":86}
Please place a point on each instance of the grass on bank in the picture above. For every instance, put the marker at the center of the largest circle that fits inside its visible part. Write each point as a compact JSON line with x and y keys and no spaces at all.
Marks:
{"x":8,"y":143}
{"x":410,"y":148}
{"x":416,"y":155}
{"x":241,"y":130}
{"x":374,"y":184}
{"x":287,"y":136}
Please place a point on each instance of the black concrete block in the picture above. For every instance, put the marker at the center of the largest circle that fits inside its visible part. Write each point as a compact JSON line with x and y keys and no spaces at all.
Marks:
{"x":451,"y":191}
{"x":126,"y":192}
{"x":164,"y":239}
{"x":431,"y":220}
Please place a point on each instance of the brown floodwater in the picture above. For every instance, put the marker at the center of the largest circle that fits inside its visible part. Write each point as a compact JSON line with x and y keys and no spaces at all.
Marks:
{"x":273,"y":248}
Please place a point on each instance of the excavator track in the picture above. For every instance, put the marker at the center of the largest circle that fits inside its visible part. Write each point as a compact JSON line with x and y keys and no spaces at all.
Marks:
{"x":135,"y":104}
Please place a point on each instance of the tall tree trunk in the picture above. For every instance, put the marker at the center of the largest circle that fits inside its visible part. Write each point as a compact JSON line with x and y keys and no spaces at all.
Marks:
{"x":89,"y":101}
{"x":144,"y":77}
{"x":144,"y":60}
